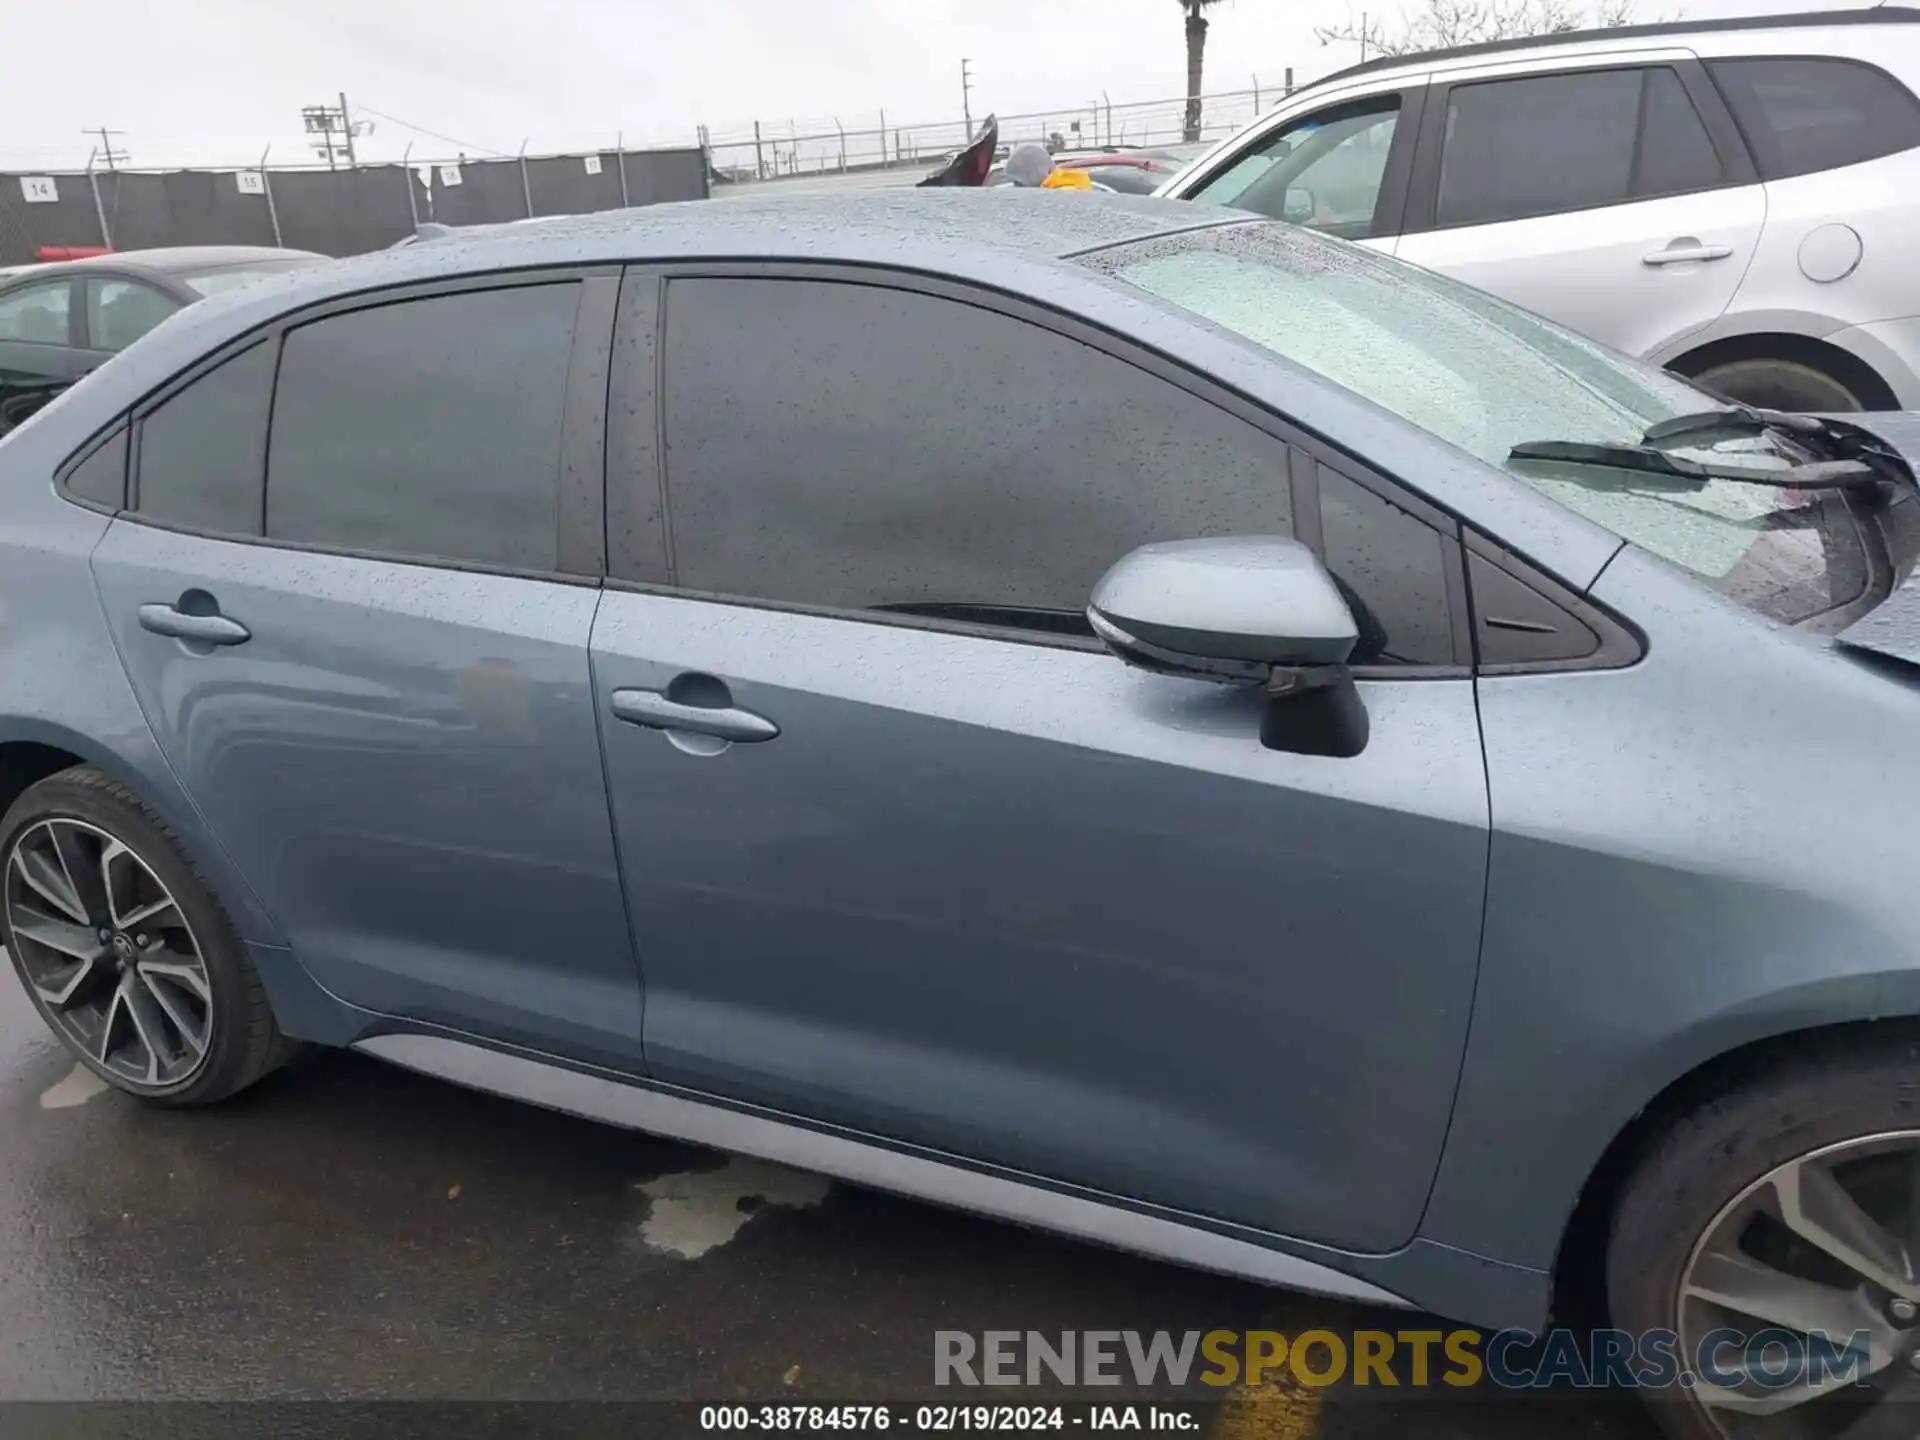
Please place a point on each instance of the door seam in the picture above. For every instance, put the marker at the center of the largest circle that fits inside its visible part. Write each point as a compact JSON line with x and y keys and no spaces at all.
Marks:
{"x":613,"y":824}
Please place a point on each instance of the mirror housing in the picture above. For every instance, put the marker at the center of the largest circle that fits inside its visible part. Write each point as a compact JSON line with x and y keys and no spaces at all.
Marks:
{"x":1254,"y":610}
{"x":1298,"y":206}
{"x":1233,"y":610}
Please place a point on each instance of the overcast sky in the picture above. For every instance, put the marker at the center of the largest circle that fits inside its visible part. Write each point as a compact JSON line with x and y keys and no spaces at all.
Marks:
{"x":217,"y":81}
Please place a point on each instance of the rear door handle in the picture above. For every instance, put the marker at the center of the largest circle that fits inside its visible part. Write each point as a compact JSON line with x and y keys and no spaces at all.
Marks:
{"x":655,"y":711}
{"x":1685,"y":254}
{"x":205,"y":629}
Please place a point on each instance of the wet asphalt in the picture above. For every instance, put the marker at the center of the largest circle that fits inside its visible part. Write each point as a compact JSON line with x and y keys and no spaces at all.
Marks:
{"x":349,"y":1231}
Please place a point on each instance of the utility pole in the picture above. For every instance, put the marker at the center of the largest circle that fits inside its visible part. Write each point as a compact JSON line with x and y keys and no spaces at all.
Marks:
{"x":966,"y":95}
{"x":346,"y":129}
{"x":1363,"y":37}
{"x":107,"y":156}
{"x":326,"y":122}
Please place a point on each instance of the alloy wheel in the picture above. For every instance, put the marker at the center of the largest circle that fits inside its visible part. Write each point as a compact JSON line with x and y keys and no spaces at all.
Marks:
{"x":1820,"y":1254}
{"x":109,"y":954}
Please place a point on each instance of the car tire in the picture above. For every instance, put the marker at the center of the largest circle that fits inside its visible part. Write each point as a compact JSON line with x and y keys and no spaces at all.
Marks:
{"x":1701,"y":1190}
{"x":168,"y":1007}
{"x":1789,"y":385}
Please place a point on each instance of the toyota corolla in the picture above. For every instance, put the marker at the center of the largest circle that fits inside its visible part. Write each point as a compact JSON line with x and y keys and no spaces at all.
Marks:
{"x":1136,"y":719}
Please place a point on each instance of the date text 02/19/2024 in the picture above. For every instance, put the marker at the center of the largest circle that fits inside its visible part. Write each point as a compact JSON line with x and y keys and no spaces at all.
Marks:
{"x":941,"y":1419}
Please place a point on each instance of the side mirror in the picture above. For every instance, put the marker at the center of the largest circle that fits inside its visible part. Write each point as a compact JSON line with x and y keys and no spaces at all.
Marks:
{"x":1254,"y":610}
{"x":1229,"y":610}
{"x":1298,"y":208}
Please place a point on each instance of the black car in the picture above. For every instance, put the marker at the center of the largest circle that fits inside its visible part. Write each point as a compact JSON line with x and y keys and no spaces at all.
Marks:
{"x":59,"y":321}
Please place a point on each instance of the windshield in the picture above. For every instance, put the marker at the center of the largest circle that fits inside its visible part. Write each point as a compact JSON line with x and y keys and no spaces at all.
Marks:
{"x":1486,"y":376}
{"x":216,"y":282}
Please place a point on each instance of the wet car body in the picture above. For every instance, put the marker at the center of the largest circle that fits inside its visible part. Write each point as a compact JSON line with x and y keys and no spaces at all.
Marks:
{"x":960,"y":904}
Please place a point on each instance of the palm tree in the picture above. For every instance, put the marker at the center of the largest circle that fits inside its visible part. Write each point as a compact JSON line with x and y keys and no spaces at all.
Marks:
{"x":1196,"y":50}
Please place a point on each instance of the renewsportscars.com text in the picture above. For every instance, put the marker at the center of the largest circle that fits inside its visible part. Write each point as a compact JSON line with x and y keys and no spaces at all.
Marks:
{"x":1451,"y":1359}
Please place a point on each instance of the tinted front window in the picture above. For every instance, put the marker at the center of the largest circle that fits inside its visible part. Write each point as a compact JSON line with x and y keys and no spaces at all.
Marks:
{"x":203,"y":452}
{"x":37,"y":314}
{"x":1393,"y":567}
{"x":863,"y":448}
{"x":429,"y":427}
{"x":1801,"y":115}
{"x":1486,"y":376}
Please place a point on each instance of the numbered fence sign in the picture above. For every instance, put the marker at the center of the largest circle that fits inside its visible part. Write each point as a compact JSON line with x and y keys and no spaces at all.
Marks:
{"x":251,"y":182}
{"x":39,"y":189}
{"x":593,"y":164}
{"x":449,"y":174}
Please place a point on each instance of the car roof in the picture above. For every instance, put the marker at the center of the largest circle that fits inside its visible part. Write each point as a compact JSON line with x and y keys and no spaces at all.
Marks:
{"x":910,"y":228}
{"x":772,"y":226}
{"x":997,"y":236}
{"x":1546,"y":44}
{"x":175,"y":259}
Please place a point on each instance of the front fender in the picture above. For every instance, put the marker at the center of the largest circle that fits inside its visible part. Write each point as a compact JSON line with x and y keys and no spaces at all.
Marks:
{"x":1704,"y":851}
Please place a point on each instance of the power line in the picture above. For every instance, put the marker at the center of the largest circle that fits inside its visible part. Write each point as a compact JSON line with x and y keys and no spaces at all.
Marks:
{"x":430,"y":134}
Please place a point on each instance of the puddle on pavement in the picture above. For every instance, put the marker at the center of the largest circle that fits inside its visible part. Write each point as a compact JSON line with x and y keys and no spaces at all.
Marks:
{"x":698,"y":1210}
{"x":79,"y":1086}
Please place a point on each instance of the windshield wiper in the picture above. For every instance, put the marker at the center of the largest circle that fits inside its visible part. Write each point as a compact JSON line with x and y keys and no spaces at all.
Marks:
{"x":1734,"y":418}
{"x":1689,"y":474}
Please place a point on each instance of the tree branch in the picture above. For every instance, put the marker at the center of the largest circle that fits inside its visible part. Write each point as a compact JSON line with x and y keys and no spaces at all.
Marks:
{"x":1442,"y":24}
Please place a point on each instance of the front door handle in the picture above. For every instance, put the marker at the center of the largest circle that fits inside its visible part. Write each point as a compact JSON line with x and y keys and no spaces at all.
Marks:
{"x":655,"y":711}
{"x":202,"y":629}
{"x":1683,"y":252}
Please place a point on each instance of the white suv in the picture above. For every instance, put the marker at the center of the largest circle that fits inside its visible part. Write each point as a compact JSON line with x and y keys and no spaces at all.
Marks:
{"x":1738,"y":200}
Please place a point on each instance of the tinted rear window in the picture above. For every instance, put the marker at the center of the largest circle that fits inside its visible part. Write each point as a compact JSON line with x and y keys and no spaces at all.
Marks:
{"x":1802,"y":115}
{"x":203,"y":452}
{"x":427,"y":427}
{"x":102,"y":476}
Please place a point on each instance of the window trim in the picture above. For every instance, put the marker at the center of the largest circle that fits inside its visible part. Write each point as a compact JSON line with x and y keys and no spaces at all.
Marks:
{"x":1302,"y":450}
{"x":1622,"y":643}
{"x":1712,"y":84}
{"x":1736,"y":164}
{"x":638,"y":545}
{"x":580,"y":504}
{"x":1390,"y":210}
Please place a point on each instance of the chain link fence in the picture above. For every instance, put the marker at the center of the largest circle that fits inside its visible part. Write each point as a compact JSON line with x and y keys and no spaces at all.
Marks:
{"x":771,"y":151}
{"x":343,"y":211}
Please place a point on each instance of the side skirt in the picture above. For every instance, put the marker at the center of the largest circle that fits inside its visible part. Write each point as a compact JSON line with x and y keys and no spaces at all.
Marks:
{"x":637,"y":1108}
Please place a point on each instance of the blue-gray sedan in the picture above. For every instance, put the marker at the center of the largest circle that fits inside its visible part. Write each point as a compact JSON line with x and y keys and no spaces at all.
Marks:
{"x":1147,"y":722}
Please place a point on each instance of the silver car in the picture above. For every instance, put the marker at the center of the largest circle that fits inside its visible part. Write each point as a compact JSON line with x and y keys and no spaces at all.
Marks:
{"x":1737,"y":199}
{"x":1138,"y":719}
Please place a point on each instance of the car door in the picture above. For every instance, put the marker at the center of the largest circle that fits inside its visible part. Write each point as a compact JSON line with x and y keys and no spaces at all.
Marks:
{"x":359,"y":632}
{"x":1618,"y":201}
{"x":906,"y":851}
{"x":1341,"y":167}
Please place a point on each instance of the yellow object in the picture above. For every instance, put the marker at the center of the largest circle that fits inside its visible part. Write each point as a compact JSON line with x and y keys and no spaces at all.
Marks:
{"x":1067,"y":180}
